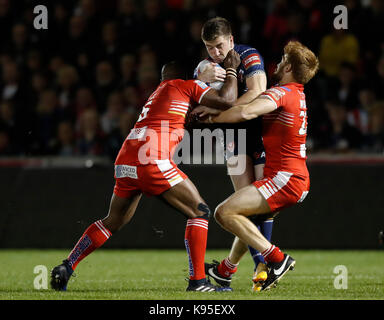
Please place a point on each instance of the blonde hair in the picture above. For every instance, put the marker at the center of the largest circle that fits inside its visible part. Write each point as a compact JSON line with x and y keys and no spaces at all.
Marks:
{"x":304,"y":62}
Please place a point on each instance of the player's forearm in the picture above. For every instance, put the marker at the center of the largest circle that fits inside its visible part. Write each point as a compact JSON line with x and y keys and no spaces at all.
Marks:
{"x":228,"y":92}
{"x":248,"y":96}
{"x":233,"y":115}
{"x":256,"y":85}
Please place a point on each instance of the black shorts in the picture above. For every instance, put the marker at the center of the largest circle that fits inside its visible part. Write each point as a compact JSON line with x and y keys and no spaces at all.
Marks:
{"x":253,"y":144}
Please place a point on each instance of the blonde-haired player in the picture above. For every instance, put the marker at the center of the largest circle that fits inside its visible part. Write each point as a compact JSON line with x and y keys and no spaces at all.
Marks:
{"x":286,"y":178}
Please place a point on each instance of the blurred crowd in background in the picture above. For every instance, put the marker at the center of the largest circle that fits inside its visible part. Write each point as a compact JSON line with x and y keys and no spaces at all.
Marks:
{"x":77,"y":88}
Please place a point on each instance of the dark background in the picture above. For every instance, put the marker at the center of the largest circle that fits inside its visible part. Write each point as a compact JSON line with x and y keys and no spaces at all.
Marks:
{"x":72,"y":93}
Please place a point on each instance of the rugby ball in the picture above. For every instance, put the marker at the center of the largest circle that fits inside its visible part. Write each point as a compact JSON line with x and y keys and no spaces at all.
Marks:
{"x":201,"y":67}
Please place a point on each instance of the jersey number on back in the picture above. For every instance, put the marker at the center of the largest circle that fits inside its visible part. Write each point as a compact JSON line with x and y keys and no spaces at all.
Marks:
{"x":144,"y":112}
{"x":302,"y":131}
{"x":303,"y":128}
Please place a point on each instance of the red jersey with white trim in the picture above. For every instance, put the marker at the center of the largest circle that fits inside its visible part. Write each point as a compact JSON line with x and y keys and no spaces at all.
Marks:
{"x":285,"y":130}
{"x":160,"y":126}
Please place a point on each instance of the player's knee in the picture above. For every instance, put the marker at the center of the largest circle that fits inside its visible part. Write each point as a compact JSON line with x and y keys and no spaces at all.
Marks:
{"x":203,"y":211}
{"x":221,"y":214}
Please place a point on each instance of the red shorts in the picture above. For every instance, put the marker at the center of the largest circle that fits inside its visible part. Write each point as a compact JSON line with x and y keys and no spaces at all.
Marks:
{"x":283,"y":189}
{"x":150,"y":179}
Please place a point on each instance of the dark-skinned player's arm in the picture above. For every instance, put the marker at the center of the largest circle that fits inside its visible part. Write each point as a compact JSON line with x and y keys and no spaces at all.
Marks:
{"x":244,"y":112}
{"x":227,"y":95}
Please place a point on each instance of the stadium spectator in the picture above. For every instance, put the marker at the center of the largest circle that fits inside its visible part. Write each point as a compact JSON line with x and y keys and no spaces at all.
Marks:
{"x":147,"y":74}
{"x":378,"y":79}
{"x":38,"y":82}
{"x":335,"y":48}
{"x":344,"y":86}
{"x":11,"y":84}
{"x":340,"y":136}
{"x":367,"y":117}
{"x":84,"y":100}
{"x":117,"y":136}
{"x":20,"y":43}
{"x":115,"y":108}
{"x":105,"y":83}
{"x":128,"y":21}
{"x":67,"y":81}
{"x":8,"y":129}
{"x":65,"y":142}
{"x":313,"y":20}
{"x":90,"y":137}
{"x":45,"y":124}
{"x":128,"y":70}
{"x":33,"y":61}
{"x":194,"y":48}
{"x":152,"y":29}
{"x":6,"y":21}
{"x":376,"y":125}
{"x":371,"y":23}
{"x":5,"y":144}
{"x":275,"y":28}
{"x":132,"y":99}
{"x":108,"y":44}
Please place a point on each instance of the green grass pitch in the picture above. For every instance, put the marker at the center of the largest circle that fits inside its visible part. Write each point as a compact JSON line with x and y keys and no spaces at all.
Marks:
{"x":160,"y":275}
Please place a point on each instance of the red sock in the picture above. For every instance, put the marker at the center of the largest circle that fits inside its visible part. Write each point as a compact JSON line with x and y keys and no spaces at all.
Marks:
{"x":195,"y":240}
{"x":273,"y":254}
{"x":93,"y":238}
{"x":226,"y":268}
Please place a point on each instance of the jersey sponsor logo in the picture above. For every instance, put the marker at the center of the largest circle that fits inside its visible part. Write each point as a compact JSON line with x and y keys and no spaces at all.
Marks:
{"x":251,"y":60}
{"x":83,"y":244}
{"x":191,"y":269}
{"x":259,"y":155}
{"x":125,"y":171}
{"x":201,"y":84}
{"x":136,"y":133}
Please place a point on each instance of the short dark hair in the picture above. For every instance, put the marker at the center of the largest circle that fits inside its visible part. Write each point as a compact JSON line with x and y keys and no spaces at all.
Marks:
{"x":173,"y":70}
{"x":214,"y":28}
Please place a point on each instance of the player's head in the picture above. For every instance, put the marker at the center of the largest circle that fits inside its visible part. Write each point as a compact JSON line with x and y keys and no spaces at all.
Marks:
{"x":217,"y":37}
{"x":173,"y":70}
{"x":298,"y":63}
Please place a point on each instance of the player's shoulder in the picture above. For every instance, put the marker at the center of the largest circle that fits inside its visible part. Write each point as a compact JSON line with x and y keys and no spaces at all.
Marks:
{"x":290,"y":92}
{"x":292,"y":88}
{"x":251,"y":59}
{"x":244,"y":50}
{"x":176,"y":82}
{"x":188,"y":84}
{"x":276,"y":92}
{"x":196,"y":82}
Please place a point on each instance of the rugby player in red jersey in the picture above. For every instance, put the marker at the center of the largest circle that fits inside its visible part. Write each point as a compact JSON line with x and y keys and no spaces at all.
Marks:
{"x":286,"y":178}
{"x":144,"y":165}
